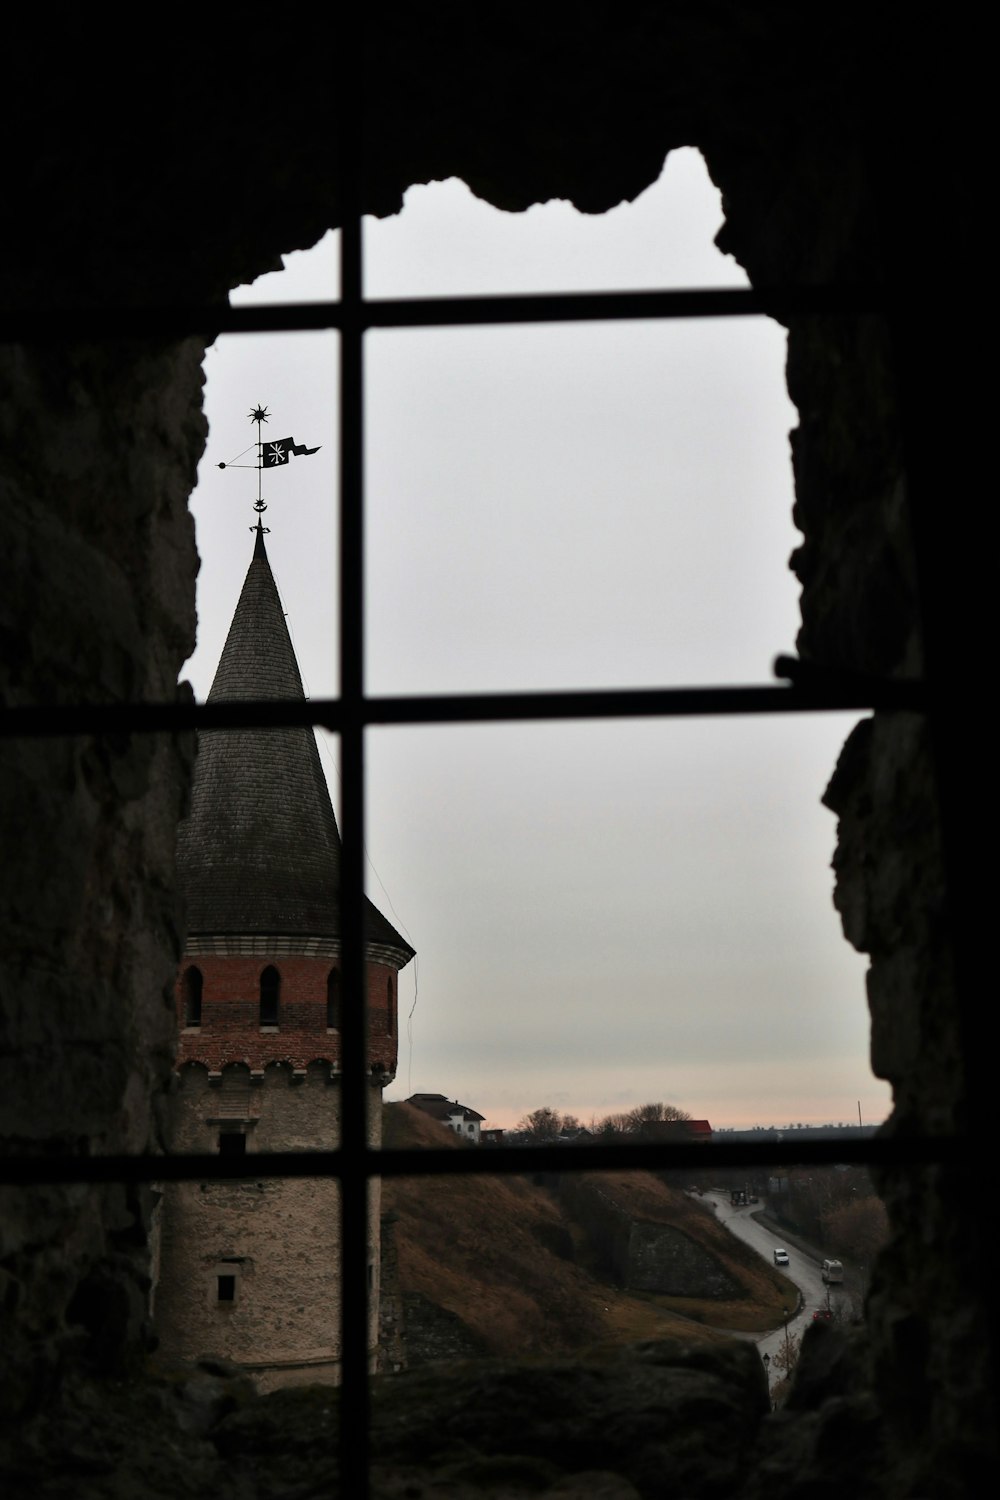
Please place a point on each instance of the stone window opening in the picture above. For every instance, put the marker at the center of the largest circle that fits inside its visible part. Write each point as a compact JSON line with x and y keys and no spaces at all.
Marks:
{"x":224,"y":1282}
{"x":192,"y":989}
{"x":270,"y":995}
{"x":389,"y":1007}
{"x":673,"y":702}
{"x":232,"y":1142}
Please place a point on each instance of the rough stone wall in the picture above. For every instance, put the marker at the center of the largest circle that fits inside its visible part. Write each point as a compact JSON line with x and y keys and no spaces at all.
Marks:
{"x":436,"y":1336}
{"x":879,"y":561}
{"x":661,"y":1259}
{"x":97,"y":605}
{"x":640,"y":1254}
{"x":392,"y":1352}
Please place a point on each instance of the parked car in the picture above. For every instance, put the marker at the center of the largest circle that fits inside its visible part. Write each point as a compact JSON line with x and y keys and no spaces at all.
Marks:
{"x":781,"y":1257}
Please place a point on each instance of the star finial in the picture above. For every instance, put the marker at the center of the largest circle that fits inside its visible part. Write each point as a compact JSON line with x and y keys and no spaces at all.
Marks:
{"x":259,"y":414}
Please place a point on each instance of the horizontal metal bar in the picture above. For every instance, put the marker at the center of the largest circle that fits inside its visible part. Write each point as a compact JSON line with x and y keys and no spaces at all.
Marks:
{"x":608,"y":703}
{"x":887,"y":1151}
{"x":97,"y":324}
{"x":583,"y":307}
{"x":814,"y":696}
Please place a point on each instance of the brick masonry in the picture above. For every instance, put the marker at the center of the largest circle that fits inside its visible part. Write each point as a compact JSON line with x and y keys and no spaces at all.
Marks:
{"x":230,"y":1029}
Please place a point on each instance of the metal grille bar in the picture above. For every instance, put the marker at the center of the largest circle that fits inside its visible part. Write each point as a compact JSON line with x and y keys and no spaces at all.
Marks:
{"x":360,"y":1163}
{"x":355,"y":1292}
{"x":100,"y":324}
{"x":471,"y":708}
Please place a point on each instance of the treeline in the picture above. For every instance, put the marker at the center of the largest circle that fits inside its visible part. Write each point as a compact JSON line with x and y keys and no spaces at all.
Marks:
{"x":545,"y":1125}
{"x":836,"y":1207}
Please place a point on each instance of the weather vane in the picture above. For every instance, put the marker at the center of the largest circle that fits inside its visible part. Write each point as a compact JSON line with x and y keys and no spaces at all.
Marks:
{"x":269,"y":456}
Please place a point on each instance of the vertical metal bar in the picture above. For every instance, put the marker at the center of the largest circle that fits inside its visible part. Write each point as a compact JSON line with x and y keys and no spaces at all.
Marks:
{"x":354,"y":1087}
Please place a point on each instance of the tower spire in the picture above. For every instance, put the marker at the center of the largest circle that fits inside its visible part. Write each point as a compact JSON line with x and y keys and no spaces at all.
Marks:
{"x":260,"y":851}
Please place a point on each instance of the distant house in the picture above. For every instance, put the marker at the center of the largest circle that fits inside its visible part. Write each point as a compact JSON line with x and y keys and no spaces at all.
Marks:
{"x":458,"y":1117}
{"x":492,"y":1137}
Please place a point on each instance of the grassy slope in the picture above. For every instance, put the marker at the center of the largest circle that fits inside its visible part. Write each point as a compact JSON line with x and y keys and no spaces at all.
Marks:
{"x":479,"y":1247}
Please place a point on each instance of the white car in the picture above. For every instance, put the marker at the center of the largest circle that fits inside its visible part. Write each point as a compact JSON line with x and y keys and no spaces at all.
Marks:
{"x":781,"y":1257}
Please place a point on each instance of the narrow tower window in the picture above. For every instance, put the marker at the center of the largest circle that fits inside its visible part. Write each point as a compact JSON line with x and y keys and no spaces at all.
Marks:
{"x":333,"y":1000}
{"x":389,"y":1016}
{"x":191,"y":988}
{"x":270,"y":989}
{"x":227,"y":1288}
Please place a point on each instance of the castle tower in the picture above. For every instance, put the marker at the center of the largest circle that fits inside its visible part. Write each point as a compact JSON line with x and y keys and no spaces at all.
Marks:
{"x":249,"y":1271}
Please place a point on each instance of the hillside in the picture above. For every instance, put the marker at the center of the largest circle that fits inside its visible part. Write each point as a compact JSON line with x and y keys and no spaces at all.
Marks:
{"x":748,"y":1294}
{"x":516,"y":1265}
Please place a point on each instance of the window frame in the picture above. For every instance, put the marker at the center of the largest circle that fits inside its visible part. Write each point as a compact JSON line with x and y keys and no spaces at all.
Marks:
{"x":193,"y":992}
{"x":807,"y":689}
{"x":269,"y":998}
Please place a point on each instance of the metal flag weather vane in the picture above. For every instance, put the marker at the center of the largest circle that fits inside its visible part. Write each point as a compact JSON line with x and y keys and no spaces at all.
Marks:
{"x":270,"y":455}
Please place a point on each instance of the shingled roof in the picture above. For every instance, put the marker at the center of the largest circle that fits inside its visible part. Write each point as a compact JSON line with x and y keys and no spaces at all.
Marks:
{"x":260,"y":852}
{"x":441,"y":1108}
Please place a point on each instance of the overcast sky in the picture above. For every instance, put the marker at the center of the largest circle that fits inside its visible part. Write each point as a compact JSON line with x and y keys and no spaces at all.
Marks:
{"x":609,"y":913}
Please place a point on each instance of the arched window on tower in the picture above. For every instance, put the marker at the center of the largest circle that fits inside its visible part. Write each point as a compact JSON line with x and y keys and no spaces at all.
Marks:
{"x":390,"y":1011}
{"x":333,"y":1000}
{"x":270,"y":990}
{"x":191,"y":988}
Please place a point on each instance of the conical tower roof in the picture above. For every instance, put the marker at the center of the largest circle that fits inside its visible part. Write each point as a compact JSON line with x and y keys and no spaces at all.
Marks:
{"x":260,"y":852}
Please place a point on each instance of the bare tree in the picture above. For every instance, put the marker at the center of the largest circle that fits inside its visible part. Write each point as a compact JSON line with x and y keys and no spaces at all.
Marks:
{"x":634,"y":1121}
{"x":541,"y":1125}
{"x":858,"y":1229}
{"x":644,"y":1114}
{"x":787,"y":1353}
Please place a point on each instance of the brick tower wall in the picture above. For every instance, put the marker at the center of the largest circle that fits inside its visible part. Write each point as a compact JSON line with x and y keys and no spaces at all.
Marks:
{"x":250,"y":1271}
{"x":230,"y":1029}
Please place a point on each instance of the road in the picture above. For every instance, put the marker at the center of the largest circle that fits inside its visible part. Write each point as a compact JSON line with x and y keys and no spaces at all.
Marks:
{"x":802,"y":1269}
